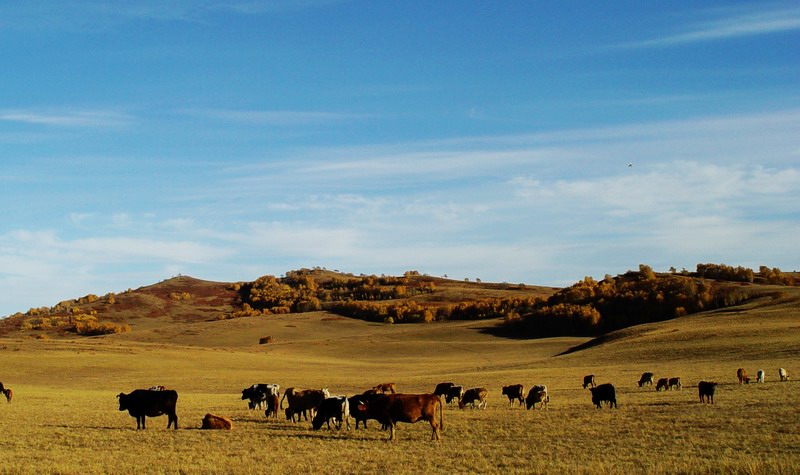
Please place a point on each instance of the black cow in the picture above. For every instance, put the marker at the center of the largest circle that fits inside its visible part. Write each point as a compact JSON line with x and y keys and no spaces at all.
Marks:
{"x":142,"y":402}
{"x":362,"y":399}
{"x":646,"y":379}
{"x":336,"y":408}
{"x":442,"y":388}
{"x":706,"y":391}
{"x":258,"y":394}
{"x":588,"y":380}
{"x":514,"y":392}
{"x":454,"y":394}
{"x":604,"y":393}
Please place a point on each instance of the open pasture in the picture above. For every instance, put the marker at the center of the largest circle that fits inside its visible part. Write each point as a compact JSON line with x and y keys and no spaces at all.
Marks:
{"x":64,"y":416}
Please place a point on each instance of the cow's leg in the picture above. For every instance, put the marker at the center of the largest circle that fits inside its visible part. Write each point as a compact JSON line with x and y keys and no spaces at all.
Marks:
{"x":391,"y":429}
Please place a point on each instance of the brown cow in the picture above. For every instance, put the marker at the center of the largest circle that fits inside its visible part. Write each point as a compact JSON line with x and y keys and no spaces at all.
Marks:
{"x":662,"y":383}
{"x":514,"y":392}
{"x":303,"y":400}
{"x":272,"y":406}
{"x":384,"y":388}
{"x":742,"y":375}
{"x":7,"y":392}
{"x":216,"y":422}
{"x":390,"y":409}
{"x":472,"y":395}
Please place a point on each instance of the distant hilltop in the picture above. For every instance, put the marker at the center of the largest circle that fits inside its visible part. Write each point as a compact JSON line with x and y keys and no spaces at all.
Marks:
{"x":586,"y":308}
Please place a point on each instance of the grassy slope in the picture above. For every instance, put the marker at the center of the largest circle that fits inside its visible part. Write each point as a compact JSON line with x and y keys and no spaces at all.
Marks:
{"x":64,"y":416}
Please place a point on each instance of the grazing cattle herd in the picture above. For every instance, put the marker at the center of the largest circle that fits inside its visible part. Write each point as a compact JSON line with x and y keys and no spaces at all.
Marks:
{"x":383,"y":403}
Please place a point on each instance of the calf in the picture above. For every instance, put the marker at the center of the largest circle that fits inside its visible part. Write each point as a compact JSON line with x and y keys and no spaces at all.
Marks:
{"x":454,"y":394}
{"x":514,"y":392}
{"x":537,"y":394}
{"x":783,"y":374}
{"x":588,"y":380}
{"x":143,"y":403}
{"x":741,"y":374}
{"x":675,"y":383}
{"x":646,"y":379}
{"x":210,"y":421}
{"x":384,"y":388}
{"x":604,"y":393}
{"x":272,"y":406}
{"x":336,"y":408}
{"x":7,"y":392}
{"x":760,"y":376}
{"x":706,"y":390}
{"x":393,"y":408}
{"x":663,"y":383}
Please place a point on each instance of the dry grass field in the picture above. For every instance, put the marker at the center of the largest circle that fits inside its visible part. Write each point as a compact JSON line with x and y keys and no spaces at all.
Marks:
{"x":64,"y":417}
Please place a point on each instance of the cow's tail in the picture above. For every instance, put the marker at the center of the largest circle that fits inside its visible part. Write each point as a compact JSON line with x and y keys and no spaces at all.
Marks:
{"x":441,"y":414}
{"x":280,"y":406}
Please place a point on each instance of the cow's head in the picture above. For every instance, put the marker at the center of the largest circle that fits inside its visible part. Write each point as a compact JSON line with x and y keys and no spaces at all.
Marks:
{"x":317,"y":421}
{"x":8,"y":393}
{"x":123,"y":399}
{"x":326,"y":393}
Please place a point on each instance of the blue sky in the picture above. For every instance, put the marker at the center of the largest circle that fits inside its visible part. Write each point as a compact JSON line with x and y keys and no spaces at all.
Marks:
{"x":232,"y":139}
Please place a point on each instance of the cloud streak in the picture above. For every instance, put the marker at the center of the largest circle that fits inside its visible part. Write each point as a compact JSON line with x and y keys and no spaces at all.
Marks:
{"x":753,"y":23}
{"x":67,"y":118}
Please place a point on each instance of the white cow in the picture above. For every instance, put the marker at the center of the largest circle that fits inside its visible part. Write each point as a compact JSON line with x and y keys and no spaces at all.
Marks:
{"x":760,"y":376}
{"x":783,"y":374}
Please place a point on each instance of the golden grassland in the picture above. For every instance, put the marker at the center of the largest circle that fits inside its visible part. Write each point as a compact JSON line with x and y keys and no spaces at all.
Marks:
{"x":64,"y":417}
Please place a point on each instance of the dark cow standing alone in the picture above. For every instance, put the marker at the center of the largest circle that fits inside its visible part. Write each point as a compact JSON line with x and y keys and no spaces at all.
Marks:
{"x":393,"y":408}
{"x":588,"y":380}
{"x":706,"y":390}
{"x":604,"y":393}
{"x":143,"y":403}
{"x":646,"y":379}
{"x":514,"y":392}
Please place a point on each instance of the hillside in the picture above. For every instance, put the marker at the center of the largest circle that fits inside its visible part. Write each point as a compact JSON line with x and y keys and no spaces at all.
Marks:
{"x":185,"y":299}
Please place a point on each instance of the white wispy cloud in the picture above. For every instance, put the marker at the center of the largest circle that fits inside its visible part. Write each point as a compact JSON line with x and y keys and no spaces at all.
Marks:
{"x":758,"y":21}
{"x":67,"y":118}
{"x":274,"y":117}
{"x":93,"y":15}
